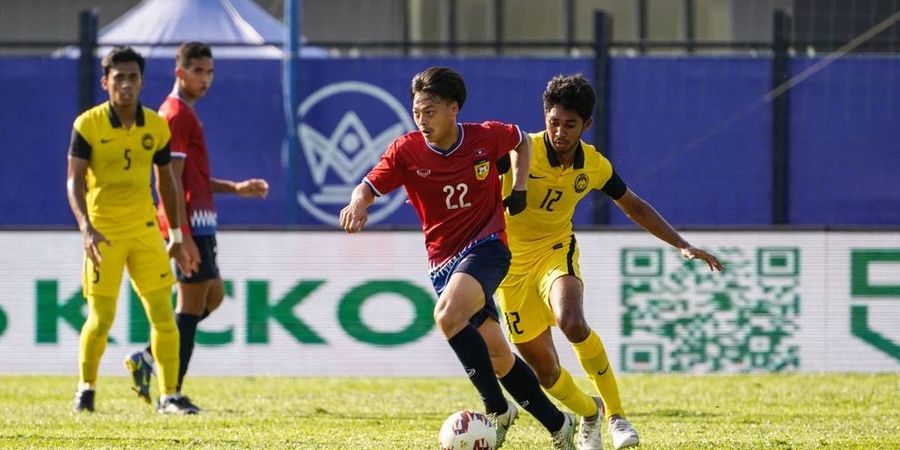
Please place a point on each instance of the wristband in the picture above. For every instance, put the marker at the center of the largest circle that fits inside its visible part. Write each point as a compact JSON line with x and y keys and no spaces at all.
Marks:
{"x":175,"y":235}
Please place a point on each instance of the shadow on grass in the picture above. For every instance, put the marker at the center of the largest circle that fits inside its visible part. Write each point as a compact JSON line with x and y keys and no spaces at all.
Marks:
{"x":676,"y":413}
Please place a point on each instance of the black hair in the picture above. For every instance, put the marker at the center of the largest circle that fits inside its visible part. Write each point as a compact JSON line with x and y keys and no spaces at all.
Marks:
{"x":189,"y":51}
{"x":442,"y":82}
{"x":572,"y":92}
{"x":121,"y":55}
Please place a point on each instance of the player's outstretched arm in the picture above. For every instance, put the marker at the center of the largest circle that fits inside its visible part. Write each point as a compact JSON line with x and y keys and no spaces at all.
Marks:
{"x":643,"y":214}
{"x":355,"y":214}
{"x":253,"y":187}
{"x":75,"y":190}
{"x":521,"y":162}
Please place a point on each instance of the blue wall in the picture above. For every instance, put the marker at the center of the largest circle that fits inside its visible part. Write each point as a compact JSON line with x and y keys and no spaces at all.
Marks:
{"x":37,"y":107}
{"x":691,"y":135}
{"x":845,"y":143}
{"x":669,"y":143}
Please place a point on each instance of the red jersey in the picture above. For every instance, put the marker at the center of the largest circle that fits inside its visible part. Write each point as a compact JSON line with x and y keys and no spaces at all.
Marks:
{"x":456,"y":192}
{"x":188,"y":143}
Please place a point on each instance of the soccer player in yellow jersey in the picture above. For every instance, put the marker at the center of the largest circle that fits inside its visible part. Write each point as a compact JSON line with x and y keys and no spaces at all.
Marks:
{"x":110,"y":155}
{"x":543,"y":287}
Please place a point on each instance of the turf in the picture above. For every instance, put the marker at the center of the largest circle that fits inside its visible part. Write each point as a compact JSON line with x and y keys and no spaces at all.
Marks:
{"x":781,"y":411}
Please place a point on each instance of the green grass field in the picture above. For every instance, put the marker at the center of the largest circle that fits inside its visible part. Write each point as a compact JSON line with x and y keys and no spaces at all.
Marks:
{"x":785,"y":411}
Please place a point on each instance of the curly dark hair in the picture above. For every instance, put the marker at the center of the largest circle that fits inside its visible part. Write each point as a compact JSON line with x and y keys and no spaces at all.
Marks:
{"x":572,"y":92}
{"x":442,"y":82}
{"x":120,"y":55}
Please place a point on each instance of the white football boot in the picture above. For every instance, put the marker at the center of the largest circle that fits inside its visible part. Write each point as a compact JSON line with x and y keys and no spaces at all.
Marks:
{"x":623,"y":434}
{"x":589,"y":431}
{"x":502,"y":422}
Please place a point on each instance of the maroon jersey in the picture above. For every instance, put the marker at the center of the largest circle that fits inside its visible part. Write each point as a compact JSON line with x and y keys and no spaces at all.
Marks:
{"x":188,"y":143}
{"x":457,"y":192}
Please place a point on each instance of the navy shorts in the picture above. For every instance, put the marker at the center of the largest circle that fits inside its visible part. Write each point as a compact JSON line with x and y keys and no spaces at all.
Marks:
{"x":486,"y":261}
{"x":209,"y":268}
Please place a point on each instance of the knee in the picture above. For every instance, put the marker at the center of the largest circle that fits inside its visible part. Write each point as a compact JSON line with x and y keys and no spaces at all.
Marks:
{"x":162,"y":323}
{"x":547,"y":373}
{"x":448,"y":320}
{"x":574,"y":327}
{"x":99,"y":326}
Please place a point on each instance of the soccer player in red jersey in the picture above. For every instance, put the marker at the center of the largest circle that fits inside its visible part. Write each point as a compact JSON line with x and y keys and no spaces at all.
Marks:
{"x":450,"y":177}
{"x":202,"y":292}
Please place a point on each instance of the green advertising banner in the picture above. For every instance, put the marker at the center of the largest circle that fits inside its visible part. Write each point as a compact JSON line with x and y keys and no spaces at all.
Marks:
{"x":304,"y":302}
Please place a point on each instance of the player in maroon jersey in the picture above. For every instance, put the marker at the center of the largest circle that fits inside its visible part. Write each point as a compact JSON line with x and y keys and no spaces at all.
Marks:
{"x":203,"y":291}
{"x":450,"y":177}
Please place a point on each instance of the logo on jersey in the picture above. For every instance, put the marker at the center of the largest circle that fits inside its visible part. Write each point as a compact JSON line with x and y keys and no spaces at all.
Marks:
{"x":581,"y":182}
{"x":147,"y":141}
{"x":482,"y":169}
{"x":423,"y":172}
{"x":343,"y":129}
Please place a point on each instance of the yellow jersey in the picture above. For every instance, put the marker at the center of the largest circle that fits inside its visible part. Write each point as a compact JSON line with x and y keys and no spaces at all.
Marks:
{"x":553,"y":194}
{"x":119,"y":198}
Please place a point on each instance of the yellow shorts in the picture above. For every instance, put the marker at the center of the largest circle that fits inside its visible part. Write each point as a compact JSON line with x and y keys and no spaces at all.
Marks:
{"x":524,"y":298}
{"x":147,"y":261}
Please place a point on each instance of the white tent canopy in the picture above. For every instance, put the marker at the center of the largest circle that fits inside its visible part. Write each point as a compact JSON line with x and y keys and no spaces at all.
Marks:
{"x":240,"y":27}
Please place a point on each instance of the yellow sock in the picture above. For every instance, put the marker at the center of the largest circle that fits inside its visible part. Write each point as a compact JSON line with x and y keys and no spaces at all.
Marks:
{"x":568,"y":393}
{"x":596,"y":365}
{"x":164,"y":339}
{"x":92,"y":344}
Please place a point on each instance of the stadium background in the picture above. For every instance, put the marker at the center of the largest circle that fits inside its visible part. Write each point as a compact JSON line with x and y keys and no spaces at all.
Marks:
{"x":799,"y":194}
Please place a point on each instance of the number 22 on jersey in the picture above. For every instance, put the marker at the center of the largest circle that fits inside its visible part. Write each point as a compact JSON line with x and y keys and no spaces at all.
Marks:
{"x":456,"y":196}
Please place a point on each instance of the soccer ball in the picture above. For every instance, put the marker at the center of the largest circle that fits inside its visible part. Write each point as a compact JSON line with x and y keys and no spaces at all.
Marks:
{"x":468,"y":430}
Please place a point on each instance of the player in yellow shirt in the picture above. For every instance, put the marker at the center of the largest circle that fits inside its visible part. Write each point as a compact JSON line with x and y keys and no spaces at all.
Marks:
{"x":111,"y":152}
{"x":543,"y":287}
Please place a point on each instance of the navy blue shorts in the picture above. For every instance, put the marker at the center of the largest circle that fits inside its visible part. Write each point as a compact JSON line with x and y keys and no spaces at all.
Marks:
{"x":209,"y":268}
{"x":486,"y":261}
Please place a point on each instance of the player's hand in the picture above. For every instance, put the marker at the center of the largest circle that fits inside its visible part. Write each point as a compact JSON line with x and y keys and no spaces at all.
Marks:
{"x":186,"y":263}
{"x":254,"y":187}
{"x":354,"y":217}
{"x":697,"y":253}
{"x":515,"y":202}
{"x":92,"y":240}
{"x":190,"y":247}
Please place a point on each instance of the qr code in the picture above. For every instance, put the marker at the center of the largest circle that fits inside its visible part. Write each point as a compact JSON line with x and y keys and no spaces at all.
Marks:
{"x":678,"y":316}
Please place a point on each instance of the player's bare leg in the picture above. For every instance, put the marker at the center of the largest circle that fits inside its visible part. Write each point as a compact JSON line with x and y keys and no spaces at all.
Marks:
{"x":566,"y":300}
{"x":540,"y":353}
{"x":192,"y":297}
{"x":215,"y":295}
{"x":520,"y":381}
{"x":461,"y":299}
{"x":502,"y":357}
